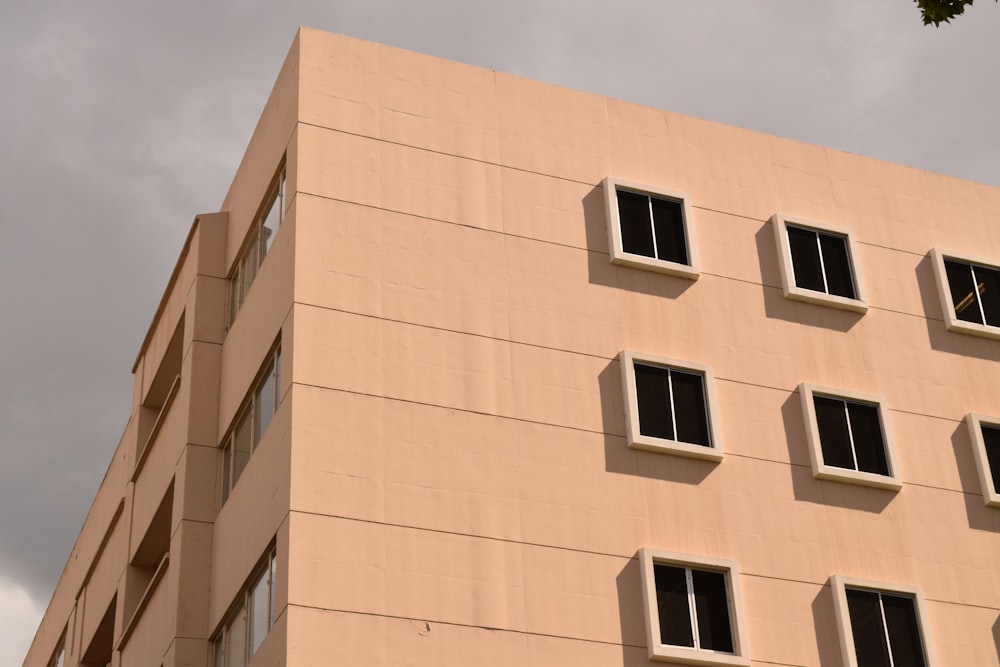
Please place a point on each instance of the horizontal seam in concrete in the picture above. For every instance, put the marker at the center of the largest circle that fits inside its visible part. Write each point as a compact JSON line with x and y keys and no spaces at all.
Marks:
{"x":824,"y":583}
{"x":465,"y":625}
{"x":538,"y":346}
{"x":605,"y":434}
{"x":921,"y":316}
{"x":557,"y":177}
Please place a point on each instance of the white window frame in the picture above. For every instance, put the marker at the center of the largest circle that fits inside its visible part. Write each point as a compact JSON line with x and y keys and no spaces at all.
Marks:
{"x":820,"y":469}
{"x":975,"y":421}
{"x":620,"y":257}
{"x":780,"y":223}
{"x":266,"y":567}
{"x":249,"y":410}
{"x":682,"y":654}
{"x":839,"y":585}
{"x":255,"y":247}
{"x":951,"y":321}
{"x":635,"y":438}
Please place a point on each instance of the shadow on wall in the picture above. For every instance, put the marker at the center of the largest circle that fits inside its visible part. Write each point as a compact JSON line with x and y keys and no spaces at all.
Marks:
{"x":776,"y":306}
{"x":827,"y":639}
{"x":619,"y":458}
{"x":980,"y":516}
{"x":996,"y":635}
{"x":807,"y":488}
{"x":601,"y":271}
{"x":938,"y":336}
{"x":633,"y":625}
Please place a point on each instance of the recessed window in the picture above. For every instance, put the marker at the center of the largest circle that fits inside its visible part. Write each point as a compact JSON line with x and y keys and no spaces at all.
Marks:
{"x":969,"y":290}
{"x":251,"y":422}
{"x":879,"y":624}
{"x":648,"y":228}
{"x":692,"y":608}
{"x":985,"y":434}
{"x":259,"y":240}
{"x":59,"y":656}
{"x":668,"y":406}
{"x":848,"y":437}
{"x":817,"y":264}
{"x":252,"y":618}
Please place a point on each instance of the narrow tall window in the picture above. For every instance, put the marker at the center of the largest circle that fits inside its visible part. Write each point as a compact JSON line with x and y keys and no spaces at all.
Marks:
{"x":985,"y":435}
{"x":259,"y":241}
{"x":648,"y":228}
{"x":251,"y":422}
{"x":847,"y":436}
{"x":692,"y":609}
{"x":817,"y":264}
{"x":879,"y":624}
{"x":251,"y":619}
{"x":668,"y":405}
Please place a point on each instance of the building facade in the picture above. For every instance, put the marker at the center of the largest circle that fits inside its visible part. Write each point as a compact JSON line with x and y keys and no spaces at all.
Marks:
{"x":475,"y":370}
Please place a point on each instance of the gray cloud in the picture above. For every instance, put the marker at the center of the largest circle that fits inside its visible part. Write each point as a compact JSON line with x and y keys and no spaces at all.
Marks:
{"x":124,"y":120}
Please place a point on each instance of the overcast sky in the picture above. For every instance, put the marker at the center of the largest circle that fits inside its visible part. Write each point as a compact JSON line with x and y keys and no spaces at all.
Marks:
{"x":121,"y":121}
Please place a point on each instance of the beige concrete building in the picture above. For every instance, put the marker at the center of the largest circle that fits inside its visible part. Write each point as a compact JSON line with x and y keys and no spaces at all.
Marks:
{"x":471,"y":370}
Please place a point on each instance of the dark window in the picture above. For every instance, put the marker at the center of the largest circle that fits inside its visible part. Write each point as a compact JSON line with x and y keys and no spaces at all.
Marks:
{"x":251,"y":422}
{"x":821,"y":262}
{"x":885,"y":629}
{"x":672,"y":404}
{"x":683,"y":593}
{"x":975,"y":292}
{"x":850,"y":435}
{"x":991,"y":442}
{"x":652,"y":226}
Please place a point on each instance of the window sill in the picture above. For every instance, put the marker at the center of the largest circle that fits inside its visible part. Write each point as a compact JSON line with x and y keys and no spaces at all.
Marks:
{"x":653,"y":264}
{"x":971,"y":328}
{"x":675,"y":447}
{"x":824,"y":299}
{"x":874,"y":480}
{"x":690,"y":656}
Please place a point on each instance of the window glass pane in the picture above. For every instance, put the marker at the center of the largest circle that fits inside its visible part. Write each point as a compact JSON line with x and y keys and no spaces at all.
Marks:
{"x":259,"y":610}
{"x":633,"y":216}
{"x":653,"y":400}
{"x":689,"y":407}
{"x":835,"y":441}
{"x":234,"y":297}
{"x":901,"y":626}
{"x":217,"y":656}
{"x":672,"y":605}
{"x":241,"y":446}
{"x":248,"y":269}
{"x":668,"y":219}
{"x":264,"y":405}
{"x":991,"y":438}
{"x":963,"y":294}
{"x":867,"y":431}
{"x":805,"y":258}
{"x":989,"y":293}
{"x":271,"y":220}
{"x":837,"y":263}
{"x":866,"y":623}
{"x":227,"y":462}
{"x":712,"y":607}
{"x":277,"y":380}
{"x":236,"y":639}
{"x":273,"y":577}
